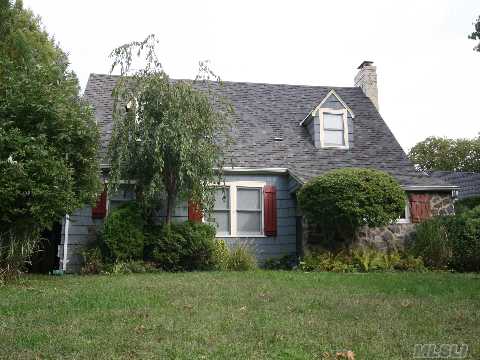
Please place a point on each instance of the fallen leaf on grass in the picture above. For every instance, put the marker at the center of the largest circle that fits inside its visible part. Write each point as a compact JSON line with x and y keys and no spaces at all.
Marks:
{"x":140,"y":329}
{"x":347,"y":355}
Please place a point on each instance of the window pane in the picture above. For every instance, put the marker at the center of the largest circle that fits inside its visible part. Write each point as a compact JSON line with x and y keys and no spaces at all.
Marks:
{"x":333,"y":121}
{"x":249,"y":223}
{"x":221,"y":220}
{"x":248,"y":199}
{"x":222,"y":199}
{"x":333,"y":137}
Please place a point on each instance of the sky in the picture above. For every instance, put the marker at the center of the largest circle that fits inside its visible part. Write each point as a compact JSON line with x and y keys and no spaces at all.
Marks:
{"x":428,"y":73}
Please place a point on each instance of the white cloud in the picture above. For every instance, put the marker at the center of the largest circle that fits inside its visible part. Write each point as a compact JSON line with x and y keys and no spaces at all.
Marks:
{"x":428,"y":73}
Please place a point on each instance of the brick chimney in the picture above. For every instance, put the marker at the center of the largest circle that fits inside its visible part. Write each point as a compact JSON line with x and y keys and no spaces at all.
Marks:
{"x":367,"y":80}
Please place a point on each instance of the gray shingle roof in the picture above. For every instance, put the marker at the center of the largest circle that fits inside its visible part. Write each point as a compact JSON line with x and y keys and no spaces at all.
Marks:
{"x":267,"y":111}
{"x":468,"y":182}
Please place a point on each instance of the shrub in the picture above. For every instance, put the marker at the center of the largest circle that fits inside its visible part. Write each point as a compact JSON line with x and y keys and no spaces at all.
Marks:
{"x":410,"y":263}
{"x":131,"y":267}
{"x":286,"y":262}
{"x":342,"y":200}
{"x":464,"y":235}
{"x":432,"y":244}
{"x":14,"y":250}
{"x":466,"y":204}
{"x":123,"y":233}
{"x":363,"y":259}
{"x":450,"y":242}
{"x":366,"y":259}
{"x":327,"y":261}
{"x":185,"y":247}
{"x":92,"y":261}
{"x":241,"y":259}
{"x":221,"y":255}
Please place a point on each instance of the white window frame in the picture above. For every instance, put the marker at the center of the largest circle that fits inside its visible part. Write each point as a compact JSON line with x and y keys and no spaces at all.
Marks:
{"x":232,"y":188}
{"x":343,"y":112}
{"x":406,"y":219}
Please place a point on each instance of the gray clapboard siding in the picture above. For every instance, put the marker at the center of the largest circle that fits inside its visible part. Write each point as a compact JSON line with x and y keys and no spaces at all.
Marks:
{"x":83,"y":228}
{"x":285,"y":242}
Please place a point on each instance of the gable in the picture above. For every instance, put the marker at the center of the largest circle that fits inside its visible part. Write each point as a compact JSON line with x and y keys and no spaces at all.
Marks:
{"x":313,"y":122}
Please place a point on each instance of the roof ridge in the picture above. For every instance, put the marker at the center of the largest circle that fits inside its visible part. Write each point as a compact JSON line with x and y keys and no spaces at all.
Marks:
{"x":248,"y":82}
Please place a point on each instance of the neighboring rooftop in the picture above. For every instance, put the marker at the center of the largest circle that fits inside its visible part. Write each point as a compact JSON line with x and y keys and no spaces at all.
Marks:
{"x":265,"y":113}
{"x":468,"y":182}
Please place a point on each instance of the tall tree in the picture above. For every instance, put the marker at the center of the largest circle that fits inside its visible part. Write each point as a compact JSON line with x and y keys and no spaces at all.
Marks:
{"x":475,"y":35}
{"x":435,"y":153}
{"x":48,"y":135}
{"x":169,"y":136}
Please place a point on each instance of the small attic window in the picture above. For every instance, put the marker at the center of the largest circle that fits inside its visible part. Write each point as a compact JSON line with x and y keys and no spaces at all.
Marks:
{"x":333,"y":128}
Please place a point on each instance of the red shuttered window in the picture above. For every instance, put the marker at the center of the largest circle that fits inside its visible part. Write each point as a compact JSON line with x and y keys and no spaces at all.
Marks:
{"x":100,"y":209}
{"x":420,"y":207}
{"x":195,"y":213}
{"x":270,"y":210}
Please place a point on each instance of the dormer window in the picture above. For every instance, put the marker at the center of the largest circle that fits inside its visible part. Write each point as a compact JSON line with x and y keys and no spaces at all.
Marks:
{"x":330,"y":123}
{"x":333,"y":128}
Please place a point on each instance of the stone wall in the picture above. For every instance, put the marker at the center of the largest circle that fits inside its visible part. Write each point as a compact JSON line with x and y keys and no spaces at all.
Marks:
{"x":391,"y":237}
{"x":442,"y":204}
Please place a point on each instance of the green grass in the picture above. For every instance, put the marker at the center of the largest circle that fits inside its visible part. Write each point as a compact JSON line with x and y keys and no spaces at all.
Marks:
{"x":257,"y":315}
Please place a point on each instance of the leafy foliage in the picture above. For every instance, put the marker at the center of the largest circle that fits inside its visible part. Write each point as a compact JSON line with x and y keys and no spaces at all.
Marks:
{"x":92,"y":261}
{"x":169,"y":135}
{"x":185,"y":246}
{"x":221,"y":255}
{"x":466,"y":204}
{"x":123,"y":233}
{"x":364,"y":259}
{"x":435,"y":153}
{"x":475,"y":35}
{"x":285,"y":262}
{"x":241,"y":259}
{"x":464,"y":235}
{"x":450,"y":242}
{"x":48,"y":135}
{"x":432,"y":244}
{"x":343,"y":200}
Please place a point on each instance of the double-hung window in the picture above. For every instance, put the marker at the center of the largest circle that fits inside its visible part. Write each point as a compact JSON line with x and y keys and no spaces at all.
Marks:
{"x":249,"y":211}
{"x":238,"y":209}
{"x":333,"y":128}
{"x":221,"y":211}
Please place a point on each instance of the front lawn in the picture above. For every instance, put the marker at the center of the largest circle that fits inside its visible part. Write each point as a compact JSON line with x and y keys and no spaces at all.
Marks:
{"x":259,"y":315}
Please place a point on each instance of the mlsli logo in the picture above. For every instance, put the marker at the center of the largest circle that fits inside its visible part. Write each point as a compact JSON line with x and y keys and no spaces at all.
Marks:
{"x":440,"y":351}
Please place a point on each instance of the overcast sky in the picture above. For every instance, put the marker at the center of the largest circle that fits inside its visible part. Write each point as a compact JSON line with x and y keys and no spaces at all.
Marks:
{"x":428,"y":74}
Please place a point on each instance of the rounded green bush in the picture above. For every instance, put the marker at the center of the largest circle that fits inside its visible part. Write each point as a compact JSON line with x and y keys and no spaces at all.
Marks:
{"x":343,"y":200}
{"x":123,"y":233}
{"x":464,"y":237}
{"x":185,"y":246}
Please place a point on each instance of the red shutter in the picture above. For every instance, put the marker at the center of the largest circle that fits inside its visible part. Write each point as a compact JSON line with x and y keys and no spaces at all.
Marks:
{"x":420,"y":207}
{"x":195,"y":214}
{"x":100,"y":209}
{"x":270,"y":210}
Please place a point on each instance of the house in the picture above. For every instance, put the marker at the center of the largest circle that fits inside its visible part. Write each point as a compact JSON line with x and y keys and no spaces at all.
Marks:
{"x":468,"y":183}
{"x":285,"y":135}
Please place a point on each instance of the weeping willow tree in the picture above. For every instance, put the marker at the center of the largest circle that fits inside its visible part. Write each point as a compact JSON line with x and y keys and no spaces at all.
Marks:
{"x":169,"y":136}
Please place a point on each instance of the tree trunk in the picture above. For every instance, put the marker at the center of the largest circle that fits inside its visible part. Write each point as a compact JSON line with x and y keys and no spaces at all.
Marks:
{"x":171,"y":189}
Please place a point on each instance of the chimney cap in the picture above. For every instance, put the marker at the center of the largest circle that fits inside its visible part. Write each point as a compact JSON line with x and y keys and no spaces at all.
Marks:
{"x":365,"y":63}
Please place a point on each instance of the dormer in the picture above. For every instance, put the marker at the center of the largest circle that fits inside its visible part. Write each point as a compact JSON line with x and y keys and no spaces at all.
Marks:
{"x":330,"y":124}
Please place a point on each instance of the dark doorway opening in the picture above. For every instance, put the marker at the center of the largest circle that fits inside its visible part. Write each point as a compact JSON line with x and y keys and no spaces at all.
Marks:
{"x":46,"y":259}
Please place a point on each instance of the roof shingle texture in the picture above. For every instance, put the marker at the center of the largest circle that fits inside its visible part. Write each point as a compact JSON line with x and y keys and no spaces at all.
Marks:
{"x":468,"y":182}
{"x":264,"y":112}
